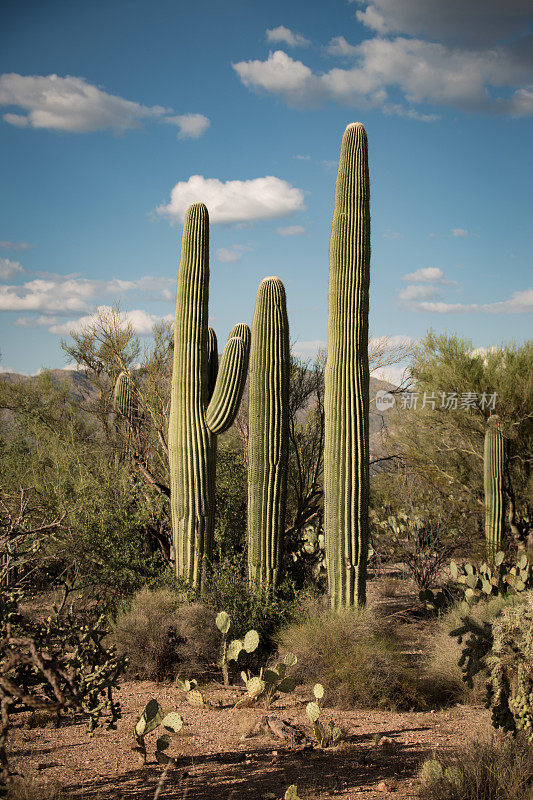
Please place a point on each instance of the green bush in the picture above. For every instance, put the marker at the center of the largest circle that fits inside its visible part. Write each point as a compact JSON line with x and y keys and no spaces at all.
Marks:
{"x":228,"y":588}
{"x":498,"y":769}
{"x":357,"y":657}
{"x":163,"y":636}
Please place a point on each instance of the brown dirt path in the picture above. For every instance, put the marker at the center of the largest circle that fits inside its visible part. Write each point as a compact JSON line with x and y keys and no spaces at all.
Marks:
{"x":215,"y":763}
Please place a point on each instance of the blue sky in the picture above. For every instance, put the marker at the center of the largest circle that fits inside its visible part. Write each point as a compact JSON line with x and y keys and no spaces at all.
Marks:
{"x":116,"y":115}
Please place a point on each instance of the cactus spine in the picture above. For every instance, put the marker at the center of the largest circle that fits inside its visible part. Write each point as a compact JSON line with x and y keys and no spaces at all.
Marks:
{"x":493,"y":480}
{"x":346,"y":478}
{"x":268,"y":421}
{"x":124,"y":399}
{"x":204,"y":401}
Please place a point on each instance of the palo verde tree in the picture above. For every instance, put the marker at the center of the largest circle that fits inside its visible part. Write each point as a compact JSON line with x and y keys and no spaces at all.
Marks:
{"x":469,"y":431}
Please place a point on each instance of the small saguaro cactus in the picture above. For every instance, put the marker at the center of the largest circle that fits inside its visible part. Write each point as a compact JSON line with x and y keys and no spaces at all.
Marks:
{"x":268,"y":433}
{"x":493,"y":480}
{"x":204,"y":401}
{"x":346,"y":400}
{"x":124,"y":399}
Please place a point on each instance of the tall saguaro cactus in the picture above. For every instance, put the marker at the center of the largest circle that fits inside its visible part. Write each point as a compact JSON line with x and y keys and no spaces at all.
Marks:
{"x":346,"y":401}
{"x":204,"y":401}
{"x":493,"y":480}
{"x":268,"y":437}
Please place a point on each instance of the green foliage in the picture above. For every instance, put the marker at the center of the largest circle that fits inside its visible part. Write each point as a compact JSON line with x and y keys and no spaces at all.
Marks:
{"x":504,"y":651}
{"x":231,"y":490}
{"x":499,"y":578}
{"x":249,"y":606}
{"x":152,"y":717}
{"x":346,"y":403}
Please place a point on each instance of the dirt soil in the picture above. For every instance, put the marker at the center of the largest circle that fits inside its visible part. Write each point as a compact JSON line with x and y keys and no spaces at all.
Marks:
{"x":379,"y":757}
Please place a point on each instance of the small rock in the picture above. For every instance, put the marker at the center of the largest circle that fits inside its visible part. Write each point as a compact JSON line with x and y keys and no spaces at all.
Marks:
{"x":386,"y":786}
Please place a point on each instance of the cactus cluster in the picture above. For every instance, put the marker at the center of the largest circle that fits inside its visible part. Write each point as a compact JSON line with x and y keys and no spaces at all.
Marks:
{"x":231,"y":650}
{"x":328,"y":734}
{"x":204,"y":402}
{"x":153,"y":716}
{"x":346,"y":403}
{"x":268,"y":433}
{"x":265,"y":688}
{"x":493,"y":579}
{"x":503,"y":651}
{"x":493,"y":482}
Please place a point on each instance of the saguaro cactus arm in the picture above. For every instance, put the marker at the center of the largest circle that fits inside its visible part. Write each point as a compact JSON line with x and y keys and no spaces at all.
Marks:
{"x":229,"y":386}
{"x":212,"y":361}
{"x":346,"y":478}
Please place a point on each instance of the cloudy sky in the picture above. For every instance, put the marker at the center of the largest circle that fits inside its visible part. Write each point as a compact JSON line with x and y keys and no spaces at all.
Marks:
{"x":115,"y":115}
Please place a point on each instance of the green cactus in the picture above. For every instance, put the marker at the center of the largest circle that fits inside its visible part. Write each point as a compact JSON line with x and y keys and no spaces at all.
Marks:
{"x":268,"y":438}
{"x":153,"y":716}
{"x":346,"y":402}
{"x":204,"y":402}
{"x":124,"y":398}
{"x":328,"y":734}
{"x":493,"y":480}
{"x":265,"y":688}
{"x":495,"y":579}
{"x":232,"y":650}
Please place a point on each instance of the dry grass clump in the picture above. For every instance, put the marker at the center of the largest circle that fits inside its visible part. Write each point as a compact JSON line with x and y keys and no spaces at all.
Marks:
{"x":163,"y":637}
{"x":497,"y":769}
{"x":443,"y":650}
{"x":358,"y":658}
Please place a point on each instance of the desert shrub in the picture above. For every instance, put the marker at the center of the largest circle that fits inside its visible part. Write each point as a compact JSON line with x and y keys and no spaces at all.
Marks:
{"x":227,"y":588}
{"x":443,"y":651}
{"x":164,"y":636}
{"x":497,"y":769}
{"x":358,"y":658}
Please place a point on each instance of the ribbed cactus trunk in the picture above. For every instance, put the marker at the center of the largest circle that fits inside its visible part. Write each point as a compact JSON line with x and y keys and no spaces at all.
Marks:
{"x":493,"y":480}
{"x":204,"y":402}
{"x":268,"y":434}
{"x":124,"y":399}
{"x":346,"y":402}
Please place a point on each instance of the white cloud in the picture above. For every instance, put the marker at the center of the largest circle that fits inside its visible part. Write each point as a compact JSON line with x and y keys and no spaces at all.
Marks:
{"x":427,"y":275}
{"x":476,"y":21}
{"x":459,"y":232}
{"x":9,"y":268}
{"x":284,"y":35}
{"x":235,"y":201}
{"x":62,"y":294}
{"x":338,"y":46}
{"x":191,"y":126}
{"x":302,"y":158}
{"x":292,"y":230}
{"x":141,"y":320}
{"x":227,"y":256}
{"x":75,"y":105}
{"x":490,"y":80}
{"x":394,"y":373}
{"x":419,"y":292}
{"x":520,"y":302}
{"x":16,"y":245}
